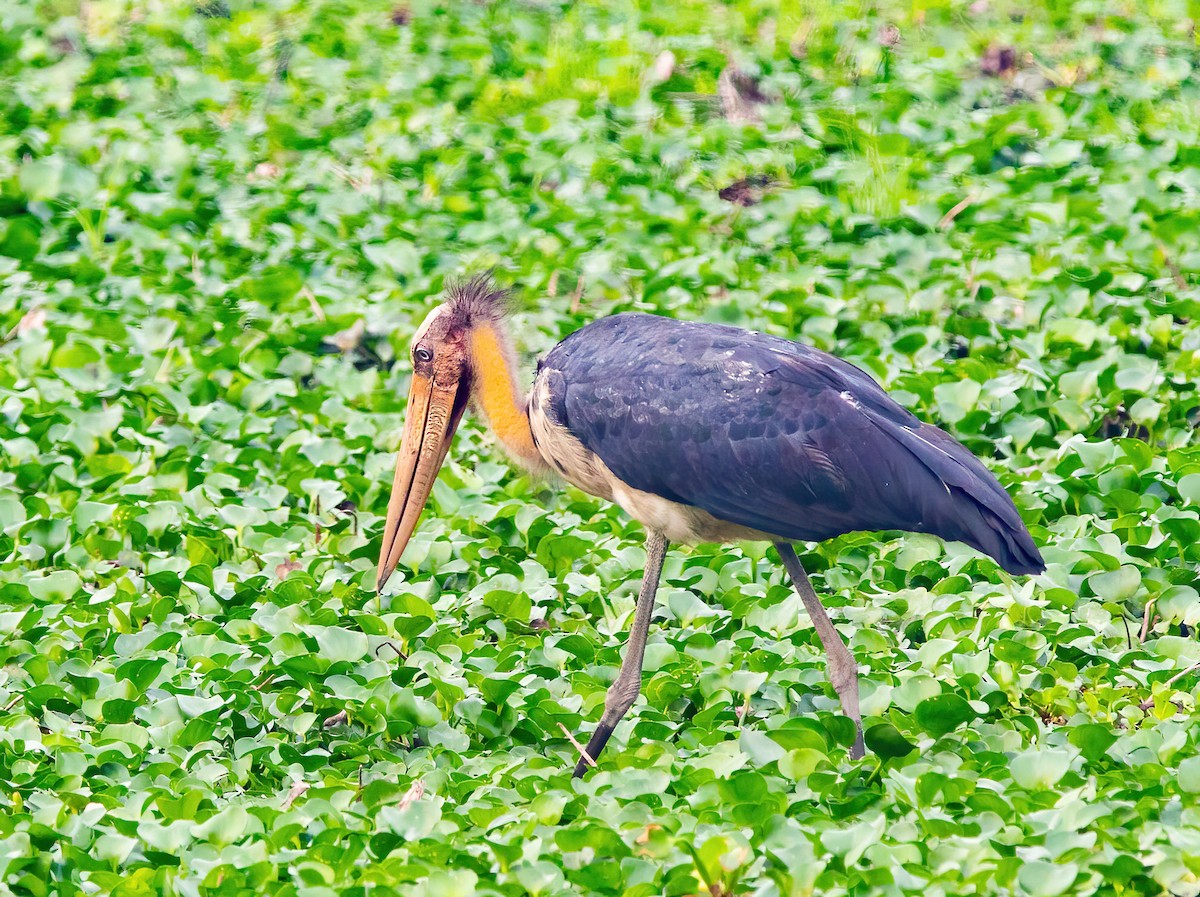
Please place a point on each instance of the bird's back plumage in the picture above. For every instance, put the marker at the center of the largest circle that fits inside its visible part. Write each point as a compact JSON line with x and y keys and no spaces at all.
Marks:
{"x":771,"y":435}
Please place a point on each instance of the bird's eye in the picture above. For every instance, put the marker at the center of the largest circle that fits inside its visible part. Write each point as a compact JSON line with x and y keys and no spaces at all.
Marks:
{"x":423,"y":355}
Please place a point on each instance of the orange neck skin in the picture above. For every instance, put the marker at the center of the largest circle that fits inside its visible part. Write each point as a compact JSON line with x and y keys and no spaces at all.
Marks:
{"x":495,"y":392}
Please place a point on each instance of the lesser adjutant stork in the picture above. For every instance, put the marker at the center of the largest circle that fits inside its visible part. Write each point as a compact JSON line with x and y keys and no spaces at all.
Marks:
{"x":703,"y":433}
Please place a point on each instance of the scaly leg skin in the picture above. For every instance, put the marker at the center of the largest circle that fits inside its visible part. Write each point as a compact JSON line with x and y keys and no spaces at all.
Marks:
{"x":624,"y":691}
{"x":843,"y":672}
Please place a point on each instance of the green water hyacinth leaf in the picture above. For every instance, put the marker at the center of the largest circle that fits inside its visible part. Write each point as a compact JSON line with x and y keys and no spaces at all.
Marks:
{"x":1040,"y":768}
{"x":943,"y":714}
{"x":1116,"y":585}
{"x":1189,"y":488}
{"x":224,"y":827}
{"x":1044,"y":879}
{"x":1092,"y":739}
{"x":339,"y":645}
{"x":885,"y":740}
{"x":61,"y":585}
{"x":412,"y":822}
{"x":1188,"y":776}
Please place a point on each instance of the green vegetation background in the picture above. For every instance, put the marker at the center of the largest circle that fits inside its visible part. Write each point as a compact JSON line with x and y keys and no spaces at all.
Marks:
{"x":219,"y":226}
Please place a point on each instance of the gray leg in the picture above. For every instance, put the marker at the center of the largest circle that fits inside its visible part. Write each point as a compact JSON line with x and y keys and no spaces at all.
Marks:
{"x":842,"y":671}
{"x":624,"y":691}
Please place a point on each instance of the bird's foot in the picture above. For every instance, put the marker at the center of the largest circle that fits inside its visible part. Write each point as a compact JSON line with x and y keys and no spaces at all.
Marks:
{"x":858,"y":750}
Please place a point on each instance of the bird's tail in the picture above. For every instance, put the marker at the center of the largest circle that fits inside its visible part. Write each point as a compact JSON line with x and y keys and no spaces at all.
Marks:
{"x":981,"y":513}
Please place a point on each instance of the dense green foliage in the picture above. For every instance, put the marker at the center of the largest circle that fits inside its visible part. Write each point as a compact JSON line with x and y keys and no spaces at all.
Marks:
{"x":201,"y":206}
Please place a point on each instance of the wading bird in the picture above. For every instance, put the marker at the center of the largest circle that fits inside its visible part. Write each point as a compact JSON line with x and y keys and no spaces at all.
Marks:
{"x":703,"y":433}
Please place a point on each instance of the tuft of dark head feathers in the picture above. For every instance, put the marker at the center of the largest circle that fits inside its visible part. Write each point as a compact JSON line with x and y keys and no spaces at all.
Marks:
{"x":478,"y":301}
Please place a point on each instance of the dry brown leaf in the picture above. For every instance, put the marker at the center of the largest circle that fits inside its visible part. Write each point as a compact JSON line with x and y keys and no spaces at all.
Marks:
{"x":662,"y":69}
{"x":748,"y":191}
{"x":740,"y":95}
{"x":998,"y":61}
{"x":349,"y":339}
{"x":644,"y":837}
{"x":282,"y":570}
{"x":34,"y":319}
{"x":297,"y":789}
{"x":415,"y":792}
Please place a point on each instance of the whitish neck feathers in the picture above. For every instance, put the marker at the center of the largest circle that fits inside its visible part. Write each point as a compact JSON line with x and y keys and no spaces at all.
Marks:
{"x":496,"y":394}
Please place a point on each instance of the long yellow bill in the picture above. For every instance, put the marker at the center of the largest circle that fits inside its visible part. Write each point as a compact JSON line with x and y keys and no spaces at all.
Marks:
{"x":434,"y":412}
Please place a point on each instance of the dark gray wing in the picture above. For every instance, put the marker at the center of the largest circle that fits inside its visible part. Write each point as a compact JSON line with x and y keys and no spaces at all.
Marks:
{"x":772,"y":435}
